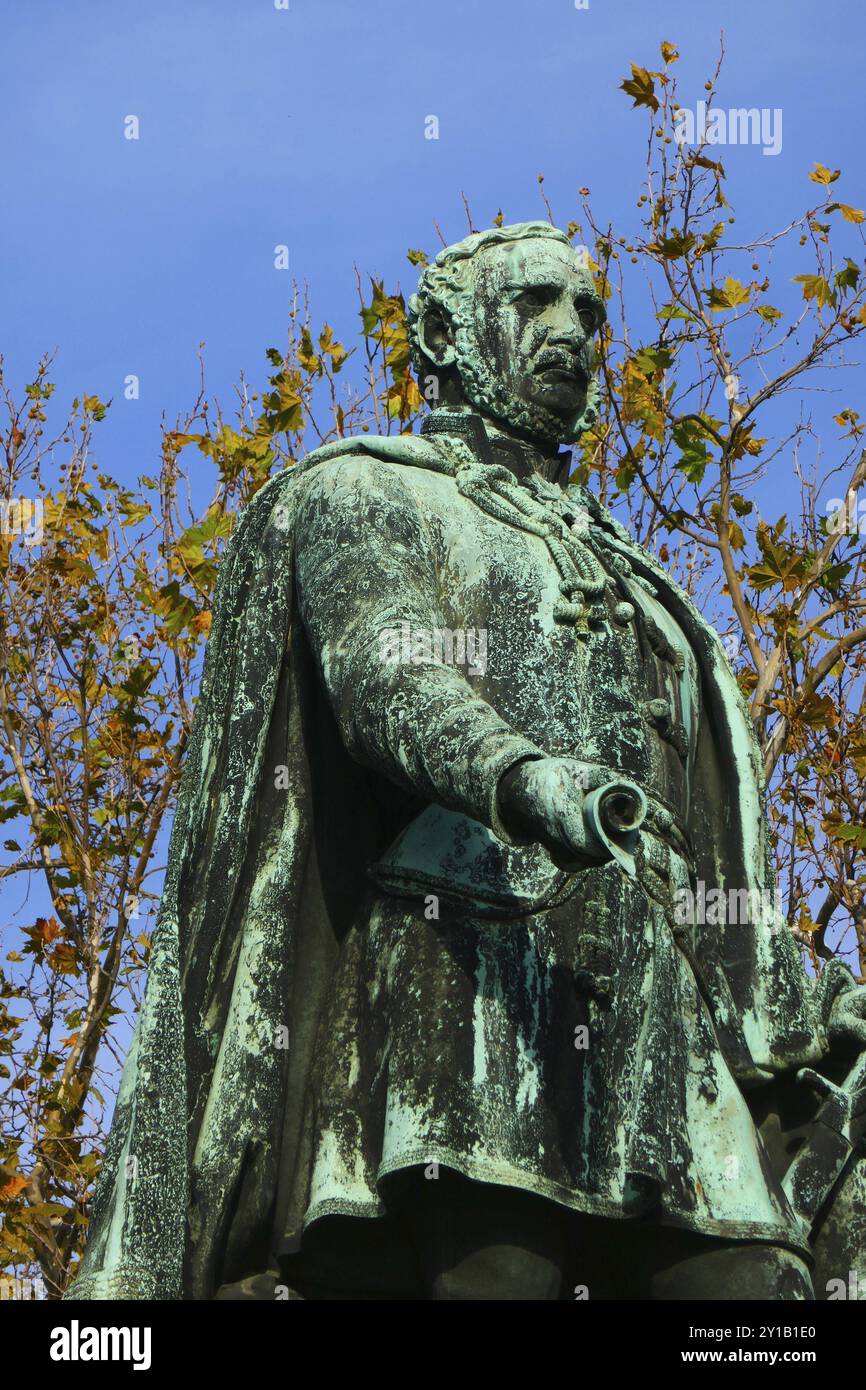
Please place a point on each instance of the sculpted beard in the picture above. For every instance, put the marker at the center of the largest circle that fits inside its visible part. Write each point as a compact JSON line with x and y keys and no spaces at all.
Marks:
{"x":486,"y":390}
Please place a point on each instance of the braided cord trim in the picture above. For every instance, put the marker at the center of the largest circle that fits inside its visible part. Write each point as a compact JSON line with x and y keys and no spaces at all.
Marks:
{"x":495,"y":491}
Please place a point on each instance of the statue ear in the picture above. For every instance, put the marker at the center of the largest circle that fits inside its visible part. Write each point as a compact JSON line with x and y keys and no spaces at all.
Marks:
{"x":436,"y":337}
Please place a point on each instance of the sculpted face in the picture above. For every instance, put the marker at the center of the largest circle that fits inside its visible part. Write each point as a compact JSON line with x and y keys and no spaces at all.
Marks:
{"x":509,"y":323}
{"x":534,"y":315}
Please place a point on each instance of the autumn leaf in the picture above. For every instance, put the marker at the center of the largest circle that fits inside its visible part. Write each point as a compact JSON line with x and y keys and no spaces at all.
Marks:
{"x":333,"y":349}
{"x":855,"y":215}
{"x":95,"y":407}
{"x":403,"y":398}
{"x":49,"y":929}
{"x":11,"y":1187}
{"x":640,"y":400}
{"x":672,"y":247}
{"x":654,"y":361}
{"x":817,"y":711}
{"x":848,"y":277}
{"x":695,"y":457}
{"x":307,"y":357}
{"x":781,"y":564}
{"x":670,"y":54}
{"x":703,"y":161}
{"x":850,"y":834}
{"x":640,"y":86}
{"x":817,"y":288}
{"x":63,"y":960}
{"x":730,"y":297}
{"x":821,"y":174}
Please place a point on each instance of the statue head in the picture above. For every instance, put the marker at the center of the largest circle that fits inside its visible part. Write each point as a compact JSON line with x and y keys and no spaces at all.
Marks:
{"x":505,"y":320}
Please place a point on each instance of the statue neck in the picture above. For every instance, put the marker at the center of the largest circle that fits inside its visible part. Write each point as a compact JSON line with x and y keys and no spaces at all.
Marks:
{"x":495,"y":443}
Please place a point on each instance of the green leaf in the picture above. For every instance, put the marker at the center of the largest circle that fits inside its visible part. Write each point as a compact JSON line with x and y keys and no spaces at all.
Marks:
{"x":848,"y":276}
{"x":850,"y":834}
{"x":670,"y":248}
{"x":693,"y":462}
{"x":675,"y":311}
{"x":654,"y":361}
{"x":781,"y":564}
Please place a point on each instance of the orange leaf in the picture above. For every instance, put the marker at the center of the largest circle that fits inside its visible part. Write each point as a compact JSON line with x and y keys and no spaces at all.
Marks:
{"x":10,"y":1189}
{"x":49,"y":929}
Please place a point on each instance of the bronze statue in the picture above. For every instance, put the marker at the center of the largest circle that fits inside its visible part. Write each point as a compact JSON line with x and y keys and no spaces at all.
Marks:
{"x":469,"y":981}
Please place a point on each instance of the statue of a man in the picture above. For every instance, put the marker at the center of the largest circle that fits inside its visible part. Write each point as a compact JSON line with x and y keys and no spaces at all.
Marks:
{"x":469,"y":981}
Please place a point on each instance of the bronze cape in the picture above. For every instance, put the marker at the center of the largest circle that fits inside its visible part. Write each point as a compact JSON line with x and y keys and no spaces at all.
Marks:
{"x":209,"y":1147}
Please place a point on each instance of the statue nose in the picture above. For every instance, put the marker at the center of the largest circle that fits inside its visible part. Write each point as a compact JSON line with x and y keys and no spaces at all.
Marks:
{"x":572,"y":337}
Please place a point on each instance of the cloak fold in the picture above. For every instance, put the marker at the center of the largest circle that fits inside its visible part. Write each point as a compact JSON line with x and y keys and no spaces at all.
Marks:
{"x":267,"y":864}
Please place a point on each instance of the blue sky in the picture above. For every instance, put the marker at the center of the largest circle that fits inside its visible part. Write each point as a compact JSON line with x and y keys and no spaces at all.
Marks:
{"x":261,"y":126}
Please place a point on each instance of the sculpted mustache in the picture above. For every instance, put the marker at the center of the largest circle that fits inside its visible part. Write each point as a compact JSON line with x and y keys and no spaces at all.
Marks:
{"x":565,"y":361}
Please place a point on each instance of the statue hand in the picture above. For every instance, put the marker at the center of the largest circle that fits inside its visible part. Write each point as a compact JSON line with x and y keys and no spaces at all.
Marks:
{"x":542,"y":801}
{"x":847,"y":1022}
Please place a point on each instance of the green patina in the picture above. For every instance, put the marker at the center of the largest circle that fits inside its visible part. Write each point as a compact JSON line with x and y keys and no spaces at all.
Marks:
{"x":330,"y":795}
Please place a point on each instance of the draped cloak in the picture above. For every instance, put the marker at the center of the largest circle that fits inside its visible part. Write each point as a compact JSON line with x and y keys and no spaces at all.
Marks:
{"x":264,"y":874}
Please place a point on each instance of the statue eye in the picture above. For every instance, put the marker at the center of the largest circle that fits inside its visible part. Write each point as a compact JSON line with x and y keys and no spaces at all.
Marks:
{"x":534,"y":299}
{"x":587,"y":321}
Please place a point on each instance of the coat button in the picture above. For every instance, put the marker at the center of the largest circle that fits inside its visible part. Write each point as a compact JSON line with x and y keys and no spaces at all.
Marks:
{"x":658,"y":710}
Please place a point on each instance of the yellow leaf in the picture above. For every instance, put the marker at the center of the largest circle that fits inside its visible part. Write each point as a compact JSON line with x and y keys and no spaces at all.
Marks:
{"x":669,"y":52}
{"x":851,"y":214}
{"x":641,"y":86}
{"x":821,"y":174}
{"x":729,"y":297}
{"x":816,"y":287}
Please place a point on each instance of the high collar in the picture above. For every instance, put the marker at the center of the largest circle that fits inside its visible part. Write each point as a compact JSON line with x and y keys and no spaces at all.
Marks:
{"x":493,"y":446}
